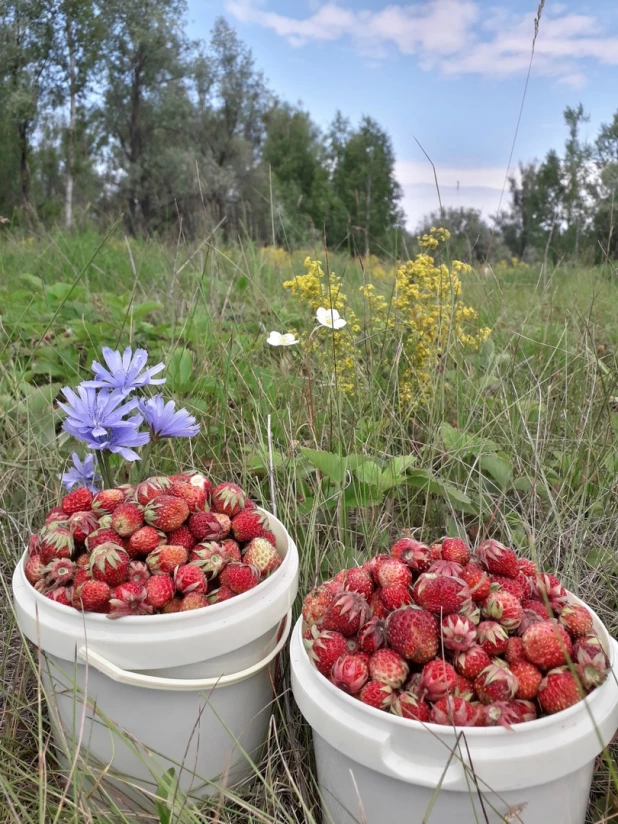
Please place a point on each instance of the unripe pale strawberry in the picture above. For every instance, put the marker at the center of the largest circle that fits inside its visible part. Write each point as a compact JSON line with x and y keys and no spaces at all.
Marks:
{"x":495,"y":683}
{"x":376,"y":694}
{"x":413,"y":553}
{"x":457,"y":632}
{"x":346,"y":614}
{"x":472,"y":662}
{"x":229,"y":499}
{"x":529,"y":678}
{"x":165,"y":558}
{"x":453,"y":711}
{"x":455,"y":549}
{"x":559,"y":690}
{"x":91,"y":596}
{"x":349,"y":673}
{"x":190,"y":578}
{"x":102,"y":536}
{"x":248,"y":524}
{"x":240,"y":577}
{"x":492,"y":637}
{"x":82,"y":524}
{"x":395,"y":596}
{"x":358,"y":580}
{"x":388,"y":666}
{"x":151,"y":488}
{"x":576,"y":619}
{"x":77,"y":500}
{"x":413,"y":633}
{"x":478,"y":581}
{"x":325,"y":648}
{"x":316,"y":603}
{"x":194,"y":600}
{"x":441,"y":595}
{"x":221,"y":594}
{"x":548,"y":645}
{"x":409,"y":705}
{"x":261,"y":554}
{"x":372,"y":635}
{"x":109,"y":563}
{"x":497,"y":559}
{"x":438,"y":679}
{"x":166,"y":512}
{"x":106,"y":501}
{"x":143,"y":541}
{"x":160,"y":591}
{"x":393,"y":572}
{"x":504,"y":608}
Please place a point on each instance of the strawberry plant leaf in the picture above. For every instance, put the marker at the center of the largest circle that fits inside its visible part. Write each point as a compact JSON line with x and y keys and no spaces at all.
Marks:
{"x":329,"y":464}
{"x":499,"y":468}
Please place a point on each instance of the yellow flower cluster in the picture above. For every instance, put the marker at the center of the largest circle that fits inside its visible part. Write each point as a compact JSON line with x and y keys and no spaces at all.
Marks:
{"x":276,"y":257}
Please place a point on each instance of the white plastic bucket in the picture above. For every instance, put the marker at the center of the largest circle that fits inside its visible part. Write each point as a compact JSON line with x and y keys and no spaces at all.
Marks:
{"x":375,"y":767}
{"x":143,"y":694}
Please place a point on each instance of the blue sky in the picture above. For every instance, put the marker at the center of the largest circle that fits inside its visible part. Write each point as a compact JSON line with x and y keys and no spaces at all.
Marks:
{"x":449,"y":73}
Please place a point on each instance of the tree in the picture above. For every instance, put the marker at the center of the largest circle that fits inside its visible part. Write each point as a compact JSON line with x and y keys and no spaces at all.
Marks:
{"x":578,"y":185}
{"x":471,"y":238}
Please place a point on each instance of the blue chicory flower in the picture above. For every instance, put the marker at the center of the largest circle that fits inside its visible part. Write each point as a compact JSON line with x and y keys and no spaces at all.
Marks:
{"x":82,"y":473}
{"x":124,"y":372}
{"x":167,"y":422}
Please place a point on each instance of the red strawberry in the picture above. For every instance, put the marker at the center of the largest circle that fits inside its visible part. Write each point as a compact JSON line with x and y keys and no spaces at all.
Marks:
{"x":391,"y":572}
{"x":458,"y":633}
{"x":106,"y":501}
{"x":472,"y":662}
{"x":389,"y":667}
{"x":160,"y":591}
{"x":464,"y":688}
{"x":589,"y":644}
{"x":110,"y":563}
{"x":81,"y":525}
{"x":166,"y":512}
{"x":144,"y":541}
{"x":91,"y":596}
{"x":533,"y":613}
{"x":151,"y":488}
{"x":55,"y":515}
{"x":346,"y":614}
{"x":453,"y":711}
{"x":559,"y":690}
{"x":455,"y":549}
{"x":34,"y":569}
{"x":349,"y":673}
{"x":576,"y":619}
{"x":61,"y":595}
{"x":478,"y":581}
{"x":138,"y":572}
{"x":358,"y":580}
{"x":450,"y":569}
{"x":201,"y":482}
{"x":194,"y":600}
{"x":441,"y":595}
{"x":165,"y":559}
{"x":408,"y":704}
{"x":525,"y":584}
{"x":190,"y":578}
{"x":229,"y":499}
{"x":240,"y":577}
{"x":514,"y":650}
{"x":270,"y":536}
{"x":232,"y":549}
{"x":182,"y":537}
{"x":194,"y":495}
{"x":376,"y":694}
{"x":372,"y":635}
{"x":502,"y":583}
{"x":549,"y":590}
{"x":129,"y":599}
{"x":221,"y":594}
{"x":210,"y":558}
{"x":248,"y":524}
{"x":204,"y":526}
{"x":59,"y":572}
{"x":492,"y":637}
{"x":261,"y":553}
{"x":395,"y":596}
{"x":509,"y":712}
{"x":547,"y":645}
{"x":377,"y":607}
{"x":438,"y":679}
{"x":413,"y":553}
{"x":497,"y":559}
{"x":102,"y":536}
{"x":78,"y":500}
{"x":413,"y":633}
{"x":504,"y":608}
{"x":175,"y":605}
{"x":82,"y":560}
{"x":529,"y":678}
{"x":127,"y":519}
{"x":82,"y":574}
{"x":495,"y":683}
{"x":55,"y":541}
{"x":374,"y":563}
{"x":225,"y":525}
{"x":325,"y":648}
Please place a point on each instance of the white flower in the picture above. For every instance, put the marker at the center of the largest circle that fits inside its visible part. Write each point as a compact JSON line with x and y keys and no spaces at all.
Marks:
{"x":277,"y":339}
{"x":330,"y":318}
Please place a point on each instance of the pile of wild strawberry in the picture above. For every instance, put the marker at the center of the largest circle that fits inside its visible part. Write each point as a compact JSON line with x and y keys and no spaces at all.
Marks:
{"x":438,"y":635}
{"x":169,"y":544}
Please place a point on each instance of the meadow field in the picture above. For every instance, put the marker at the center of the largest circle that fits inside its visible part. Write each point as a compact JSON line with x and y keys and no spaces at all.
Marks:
{"x":509,"y":433}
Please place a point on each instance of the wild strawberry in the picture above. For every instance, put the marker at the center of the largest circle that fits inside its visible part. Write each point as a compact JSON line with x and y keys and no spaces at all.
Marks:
{"x":500,"y":583}
{"x":270,"y":536}
{"x":106,"y":501}
{"x":547,"y":645}
{"x":592,"y":671}
{"x":102,"y":536}
{"x":229,"y":499}
{"x":529,"y":678}
{"x":261,"y":554}
{"x":576,"y":619}
{"x":441,"y":595}
{"x":376,"y":694}
{"x":204,"y":526}
{"x":232,"y":549}
{"x":127,"y":519}
{"x":249,"y":504}
{"x":220,"y":594}
{"x":588,"y":644}
{"x":82,"y":574}
{"x":374,"y":563}
{"x":413,"y":553}
{"x":528,"y":567}
{"x":470,"y":610}
{"x":393,"y":572}
{"x":166,"y":512}
{"x":81,"y":525}
{"x":190,"y":578}
{"x":165,"y":559}
{"x":78,"y":500}
{"x":59,"y":573}
{"x":192,"y":494}
{"x":56,"y":515}
{"x":34,"y":569}
{"x":182,"y":537}
{"x":248,"y":524}
{"x":160,"y":590}
{"x":533,"y":613}
{"x":210,"y":558}
{"x":91,"y":596}
{"x":138,"y":572}
{"x":477,"y":580}
{"x":464,"y":688}
{"x":175,"y":605}
{"x":349,"y":673}
{"x":61,"y":595}
{"x":109,"y":563}
{"x":55,"y":541}
{"x":388,"y":666}
{"x":497,"y":559}
{"x":549,"y":590}
{"x":358,"y":580}
{"x":346,"y":614}
{"x":240,"y":577}
{"x":455,"y":549}
{"x":144,"y":541}
{"x":395,"y":596}
{"x":151,"y":488}
{"x":471,"y":662}
{"x":413,"y":633}
{"x":408,"y":704}
{"x":525,"y":584}
{"x":377,"y":607}
{"x":452,"y":711}
{"x":451,"y":569}
{"x":438,"y":679}
{"x":509,"y":712}
{"x":504,"y":608}
{"x":105,"y":521}
{"x":194,"y":600}
{"x":559,"y":690}
{"x":492,"y":637}
{"x":457,"y":632}
{"x":325,"y":648}
{"x":82,"y":560}
{"x":372,"y":635}
{"x":435,"y":552}
{"x":514,"y":650}
{"x":129,"y":599}
{"x":495,"y":683}
{"x":201,"y":481}
{"x":225,"y":525}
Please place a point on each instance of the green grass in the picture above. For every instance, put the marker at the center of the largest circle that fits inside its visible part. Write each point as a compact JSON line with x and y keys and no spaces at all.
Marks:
{"x":517,"y":441}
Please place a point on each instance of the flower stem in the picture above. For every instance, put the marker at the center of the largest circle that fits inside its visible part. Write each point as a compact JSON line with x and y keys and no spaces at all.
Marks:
{"x":147,"y":456}
{"x":106,"y":468}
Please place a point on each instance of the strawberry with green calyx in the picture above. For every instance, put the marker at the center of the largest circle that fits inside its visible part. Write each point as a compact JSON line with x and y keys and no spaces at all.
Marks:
{"x":450,"y":569}
{"x":166,"y":512}
{"x":109,"y":563}
{"x":77,"y":500}
{"x":55,"y":541}
{"x":511,"y":585}
{"x":492,"y":637}
{"x":210,"y":558}
{"x":325,"y":648}
{"x":576,"y":619}
{"x":346,"y":614}
{"x":240,"y":577}
{"x":559,"y":690}
{"x":409,"y":704}
{"x":509,"y":712}
{"x":495,"y":683}
{"x":356,"y":580}
{"x":229,"y":499}
{"x":59,"y":573}
{"x":55,"y":515}
{"x":549,"y":590}
{"x":477,"y":580}
{"x":106,"y":501}
{"x":497,"y":559}
{"x":102,"y":536}
{"x":376,"y":694}
{"x":248,"y":524}
{"x":151,"y":488}
{"x":438,"y":680}
{"x":160,"y":590}
{"x":457,"y":632}
{"x":471,"y":662}
{"x":127,"y":519}
{"x":61,"y":595}
{"x":190,"y":578}
{"x":504,"y":608}
{"x":165,"y":558}
{"x":138,"y":573}
{"x":82,"y":524}
{"x":261,"y":553}
{"x":350,"y":673}
{"x":441,"y":595}
{"x":372,"y":635}
{"x":220,"y":594}
{"x":414,"y":554}
{"x":194,"y":495}
{"x":128,"y":599}
{"x":455,"y":711}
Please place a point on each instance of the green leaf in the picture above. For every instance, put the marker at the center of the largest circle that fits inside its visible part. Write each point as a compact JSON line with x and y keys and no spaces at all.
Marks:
{"x":331,"y":465}
{"x":142,"y":309}
{"x":34,"y":281}
{"x":165,"y":791}
{"x":368,"y":473}
{"x":499,"y":468}
{"x":360,"y":495}
{"x":179,"y":370}
{"x":395,"y":472}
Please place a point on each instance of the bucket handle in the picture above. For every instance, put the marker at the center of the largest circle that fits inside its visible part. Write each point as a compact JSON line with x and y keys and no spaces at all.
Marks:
{"x":154,"y":682}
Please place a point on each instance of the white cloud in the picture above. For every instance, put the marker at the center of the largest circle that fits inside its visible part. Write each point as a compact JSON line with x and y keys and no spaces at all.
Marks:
{"x":455,"y":36}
